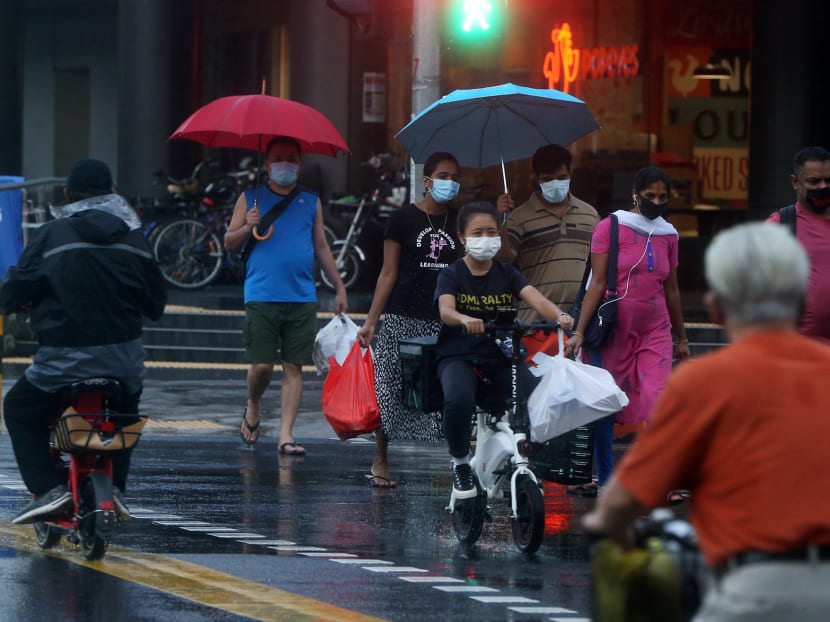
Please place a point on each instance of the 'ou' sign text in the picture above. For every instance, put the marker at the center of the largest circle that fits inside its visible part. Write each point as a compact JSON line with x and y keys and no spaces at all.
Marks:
{"x":564,"y":64}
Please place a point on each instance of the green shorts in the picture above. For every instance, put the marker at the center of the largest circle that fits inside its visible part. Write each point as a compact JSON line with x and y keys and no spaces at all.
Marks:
{"x":280,"y":332}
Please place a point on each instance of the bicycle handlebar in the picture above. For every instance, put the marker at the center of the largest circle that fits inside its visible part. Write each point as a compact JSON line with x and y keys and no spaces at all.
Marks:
{"x":545,"y":326}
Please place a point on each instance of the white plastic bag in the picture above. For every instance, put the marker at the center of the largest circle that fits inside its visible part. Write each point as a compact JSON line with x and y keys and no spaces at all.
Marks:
{"x":334,"y":339}
{"x":570,"y":394}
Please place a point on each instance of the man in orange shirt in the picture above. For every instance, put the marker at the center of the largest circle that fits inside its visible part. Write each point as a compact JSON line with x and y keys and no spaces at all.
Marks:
{"x":737,"y":427}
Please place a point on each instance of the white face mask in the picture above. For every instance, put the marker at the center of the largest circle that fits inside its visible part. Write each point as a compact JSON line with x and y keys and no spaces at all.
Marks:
{"x":483,"y":248}
{"x":555,"y":190}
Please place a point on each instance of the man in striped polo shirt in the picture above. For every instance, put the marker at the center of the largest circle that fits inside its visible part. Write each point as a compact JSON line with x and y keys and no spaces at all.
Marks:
{"x":548,"y":238}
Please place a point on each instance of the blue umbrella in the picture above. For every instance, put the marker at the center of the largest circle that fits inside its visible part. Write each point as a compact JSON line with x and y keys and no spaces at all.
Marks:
{"x":496,"y":124}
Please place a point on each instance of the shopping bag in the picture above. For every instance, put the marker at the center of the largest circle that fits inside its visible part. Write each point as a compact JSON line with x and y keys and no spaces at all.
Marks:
{"x":349,"y":401}
{"x":569,"y":395}
{"x":335,"y":339}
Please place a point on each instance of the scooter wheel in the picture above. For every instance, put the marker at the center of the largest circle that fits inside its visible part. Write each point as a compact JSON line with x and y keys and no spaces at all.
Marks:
{"x":47,"y":536}
{"x":93,"y":545}
{"x":468,"y":518}
{"x":529,"y":524}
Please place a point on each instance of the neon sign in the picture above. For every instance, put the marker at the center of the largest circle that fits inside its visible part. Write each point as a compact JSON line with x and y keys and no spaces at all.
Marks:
{"x":564,"y":64}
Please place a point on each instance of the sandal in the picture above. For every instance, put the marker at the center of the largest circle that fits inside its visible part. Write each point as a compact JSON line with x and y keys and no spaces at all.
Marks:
{"x":379,"y":481}
{"x":296,"y":449}
{"x":591,"y":489}
{"x":253,"y":430}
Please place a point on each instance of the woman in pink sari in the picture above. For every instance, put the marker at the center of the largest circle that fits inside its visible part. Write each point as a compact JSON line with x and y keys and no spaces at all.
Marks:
{"x":639,"y":353}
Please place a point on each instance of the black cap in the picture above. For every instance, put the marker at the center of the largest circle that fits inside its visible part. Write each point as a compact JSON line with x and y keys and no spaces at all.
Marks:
{"x":92,"y":176}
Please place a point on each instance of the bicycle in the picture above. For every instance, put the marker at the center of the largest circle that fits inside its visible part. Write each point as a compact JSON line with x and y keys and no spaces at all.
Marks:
{"x":368,"y":214}
{"x":90,"y":430}
{"x":659,"y":578}
{"x":501,"y":461}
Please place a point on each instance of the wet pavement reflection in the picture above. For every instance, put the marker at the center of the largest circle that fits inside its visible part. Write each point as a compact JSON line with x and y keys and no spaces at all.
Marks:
{"x":308,"y":525}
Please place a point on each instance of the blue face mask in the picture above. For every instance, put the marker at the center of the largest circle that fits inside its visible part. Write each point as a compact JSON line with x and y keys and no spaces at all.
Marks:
{"x":444,"y":190}
{"x":283,"y":173}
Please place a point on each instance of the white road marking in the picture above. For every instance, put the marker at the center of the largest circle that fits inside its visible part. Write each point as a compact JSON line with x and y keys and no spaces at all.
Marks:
{"x":211,"y":529}
{"x":547,"y":610}
{"x":431,"y":579}
{"x":361,"y":561}
{"x":394,"y":569}
{"x":504,"y":599}
{"x":297,"y":548}
{"x":238,"y":535}
{"x":181,"y":523}
{"x":464,"y":588}
{"x":328,"y":554}
{"x":270,"y":542}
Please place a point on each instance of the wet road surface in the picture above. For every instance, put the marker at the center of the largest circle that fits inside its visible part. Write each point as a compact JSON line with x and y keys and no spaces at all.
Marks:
{"x":224,"y":533}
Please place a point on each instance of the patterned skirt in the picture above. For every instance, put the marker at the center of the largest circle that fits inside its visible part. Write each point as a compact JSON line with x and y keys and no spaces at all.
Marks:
{"x":397,"y":421}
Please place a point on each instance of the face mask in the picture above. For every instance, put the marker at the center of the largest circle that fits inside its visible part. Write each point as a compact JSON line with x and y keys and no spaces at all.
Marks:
{"x":555,"y":190}
{"x":818,"y":199}
{"x":283,"y":173}
{"x":483,"y":248}
{"x":650,"y":209}
{"x":444,"y":190}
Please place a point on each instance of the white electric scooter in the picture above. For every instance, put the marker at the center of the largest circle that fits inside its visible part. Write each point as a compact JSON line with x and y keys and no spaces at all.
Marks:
{"x":501,"y":462}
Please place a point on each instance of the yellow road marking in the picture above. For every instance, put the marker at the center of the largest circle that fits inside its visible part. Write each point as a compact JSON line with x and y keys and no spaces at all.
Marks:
{"x":195,"y":583}
{"x":184,"y":424}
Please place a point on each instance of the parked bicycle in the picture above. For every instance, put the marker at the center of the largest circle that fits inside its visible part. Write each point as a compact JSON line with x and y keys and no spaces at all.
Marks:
{"x":362,"y":247}
{"x":189,"y":250}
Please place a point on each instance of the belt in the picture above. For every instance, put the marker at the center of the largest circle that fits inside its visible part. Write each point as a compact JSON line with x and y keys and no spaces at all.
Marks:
{"x":809,"y":553}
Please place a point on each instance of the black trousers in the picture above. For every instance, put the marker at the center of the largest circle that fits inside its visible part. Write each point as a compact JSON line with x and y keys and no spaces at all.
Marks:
{"x":466,"y":384}
{"x":28,"y":411}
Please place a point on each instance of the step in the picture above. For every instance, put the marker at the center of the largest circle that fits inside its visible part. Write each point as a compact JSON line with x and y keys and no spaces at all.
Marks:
{"x":216,"y":337}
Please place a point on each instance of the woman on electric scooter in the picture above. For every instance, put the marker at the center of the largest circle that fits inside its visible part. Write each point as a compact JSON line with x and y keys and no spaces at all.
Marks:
{"x":419,"y":241}
{"x":469,"y":292}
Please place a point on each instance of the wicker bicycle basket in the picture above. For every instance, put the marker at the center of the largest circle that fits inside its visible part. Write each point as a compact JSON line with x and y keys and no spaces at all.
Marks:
{"x":74,"y":432}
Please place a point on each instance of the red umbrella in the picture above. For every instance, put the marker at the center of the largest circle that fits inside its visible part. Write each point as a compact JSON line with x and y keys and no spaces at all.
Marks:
{"x":251,"y":121}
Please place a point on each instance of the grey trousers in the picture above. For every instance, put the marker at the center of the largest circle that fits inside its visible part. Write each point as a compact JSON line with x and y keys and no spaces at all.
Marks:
{"x":769,"y":592}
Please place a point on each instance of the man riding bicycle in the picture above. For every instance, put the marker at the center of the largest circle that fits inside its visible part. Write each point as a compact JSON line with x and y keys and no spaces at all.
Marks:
{"x":737,"y":427}
{"x":88,"y":277}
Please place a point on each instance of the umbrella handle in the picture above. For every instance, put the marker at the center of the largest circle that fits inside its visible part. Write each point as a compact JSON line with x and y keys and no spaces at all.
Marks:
{"x":261,"y":238}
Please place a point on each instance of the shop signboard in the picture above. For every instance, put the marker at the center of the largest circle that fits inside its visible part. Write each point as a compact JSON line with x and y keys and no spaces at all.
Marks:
{"x":374,"y":97}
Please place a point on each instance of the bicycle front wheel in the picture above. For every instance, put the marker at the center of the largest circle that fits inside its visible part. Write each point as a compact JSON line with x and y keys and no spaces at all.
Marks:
{"x":189,"y":254}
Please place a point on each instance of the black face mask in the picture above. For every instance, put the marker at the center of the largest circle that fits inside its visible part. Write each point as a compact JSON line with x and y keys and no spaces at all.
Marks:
{"x":818,"y":199}
{"x":650,"y":209}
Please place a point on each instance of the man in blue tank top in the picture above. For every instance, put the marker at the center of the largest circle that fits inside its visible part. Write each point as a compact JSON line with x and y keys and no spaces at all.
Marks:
{"x":280,"y":293}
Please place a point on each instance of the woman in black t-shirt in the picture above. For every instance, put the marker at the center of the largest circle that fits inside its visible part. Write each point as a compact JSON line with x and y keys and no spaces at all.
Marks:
{"x":469,"y":292}
{"x":419,"y":241}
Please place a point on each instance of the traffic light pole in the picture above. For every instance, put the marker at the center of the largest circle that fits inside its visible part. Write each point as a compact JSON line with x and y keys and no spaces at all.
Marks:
{"x":426,"y":70}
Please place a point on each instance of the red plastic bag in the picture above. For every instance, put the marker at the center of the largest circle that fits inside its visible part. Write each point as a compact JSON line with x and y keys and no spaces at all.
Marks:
{"x":349,"y":401}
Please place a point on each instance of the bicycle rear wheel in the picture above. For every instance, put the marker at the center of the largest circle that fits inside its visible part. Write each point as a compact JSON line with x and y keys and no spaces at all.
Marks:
{"x":189,"y":254}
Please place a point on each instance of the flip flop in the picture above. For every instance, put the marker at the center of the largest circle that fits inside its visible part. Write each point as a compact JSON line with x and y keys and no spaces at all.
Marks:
{"x":297,"y":450}
{"x":253,"y":430}
{"x":379,"y":481}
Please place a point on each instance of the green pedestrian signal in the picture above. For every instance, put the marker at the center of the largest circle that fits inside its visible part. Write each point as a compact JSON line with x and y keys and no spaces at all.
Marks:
{"x":475,"y":21}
